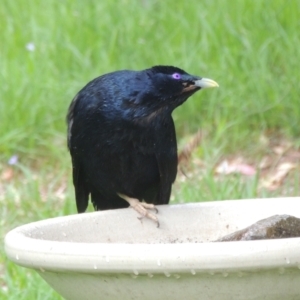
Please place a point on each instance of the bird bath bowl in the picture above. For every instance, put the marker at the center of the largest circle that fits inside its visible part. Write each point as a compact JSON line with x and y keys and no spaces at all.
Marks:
{"x":113,"y":255}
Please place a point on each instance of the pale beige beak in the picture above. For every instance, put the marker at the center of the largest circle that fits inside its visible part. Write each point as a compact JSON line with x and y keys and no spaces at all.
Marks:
{"x":206,"y":83}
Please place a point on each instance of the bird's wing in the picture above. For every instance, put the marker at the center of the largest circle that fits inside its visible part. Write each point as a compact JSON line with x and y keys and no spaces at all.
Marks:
{"x":166,"y":181}
{"x":166,"y":156}
{"x":70,"y":119}
{"x":79,"y":179}
{"x":81,"y":186}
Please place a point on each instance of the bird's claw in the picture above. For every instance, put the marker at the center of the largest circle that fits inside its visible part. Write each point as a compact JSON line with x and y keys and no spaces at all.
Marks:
{"x":156,"y":221}
{"x":142,"y":208}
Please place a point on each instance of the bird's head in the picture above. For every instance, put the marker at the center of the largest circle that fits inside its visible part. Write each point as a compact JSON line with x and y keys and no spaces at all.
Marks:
{"x":168,"y":87}
{"x":174,"y":82}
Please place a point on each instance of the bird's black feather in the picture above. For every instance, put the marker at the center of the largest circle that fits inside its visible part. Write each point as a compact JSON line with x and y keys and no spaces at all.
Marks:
{"x":121,"y":136}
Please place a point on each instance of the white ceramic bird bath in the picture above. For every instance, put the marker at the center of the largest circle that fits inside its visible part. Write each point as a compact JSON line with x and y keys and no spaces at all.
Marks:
{"x":113,"y":255}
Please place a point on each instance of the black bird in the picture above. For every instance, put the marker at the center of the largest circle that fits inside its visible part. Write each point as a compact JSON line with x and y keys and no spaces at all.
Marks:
{"x":122,"y":139}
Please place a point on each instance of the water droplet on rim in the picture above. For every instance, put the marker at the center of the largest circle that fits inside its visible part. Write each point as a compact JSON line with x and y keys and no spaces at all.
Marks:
{"x":287,"y":260}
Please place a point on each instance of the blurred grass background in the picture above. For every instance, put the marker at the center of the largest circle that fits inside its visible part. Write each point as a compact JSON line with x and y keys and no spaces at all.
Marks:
{"x":51,"y":49}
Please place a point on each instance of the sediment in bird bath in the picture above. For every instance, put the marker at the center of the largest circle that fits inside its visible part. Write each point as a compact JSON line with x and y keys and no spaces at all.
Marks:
{"x":274,"y":227}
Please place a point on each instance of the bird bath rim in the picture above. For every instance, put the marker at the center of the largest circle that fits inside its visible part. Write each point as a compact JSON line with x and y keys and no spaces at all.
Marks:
{"x":145,"y":258}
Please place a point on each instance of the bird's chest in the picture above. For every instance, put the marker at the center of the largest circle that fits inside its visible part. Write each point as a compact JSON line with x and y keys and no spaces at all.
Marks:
{"x":152,"y":139}
{"x":146,"y":154}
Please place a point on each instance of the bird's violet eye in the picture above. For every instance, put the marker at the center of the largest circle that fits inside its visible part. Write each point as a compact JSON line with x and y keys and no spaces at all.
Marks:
{"x":176,"y":76}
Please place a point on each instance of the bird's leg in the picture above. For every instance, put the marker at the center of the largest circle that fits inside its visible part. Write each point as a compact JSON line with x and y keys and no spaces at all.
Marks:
{"x":141,"y":208}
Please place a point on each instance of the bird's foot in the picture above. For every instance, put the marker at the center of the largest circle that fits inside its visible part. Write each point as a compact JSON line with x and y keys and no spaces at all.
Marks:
{"x":142,"y":208}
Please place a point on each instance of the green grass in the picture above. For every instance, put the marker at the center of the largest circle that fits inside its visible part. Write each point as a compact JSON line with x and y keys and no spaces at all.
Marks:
{"x":251,"y":48}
